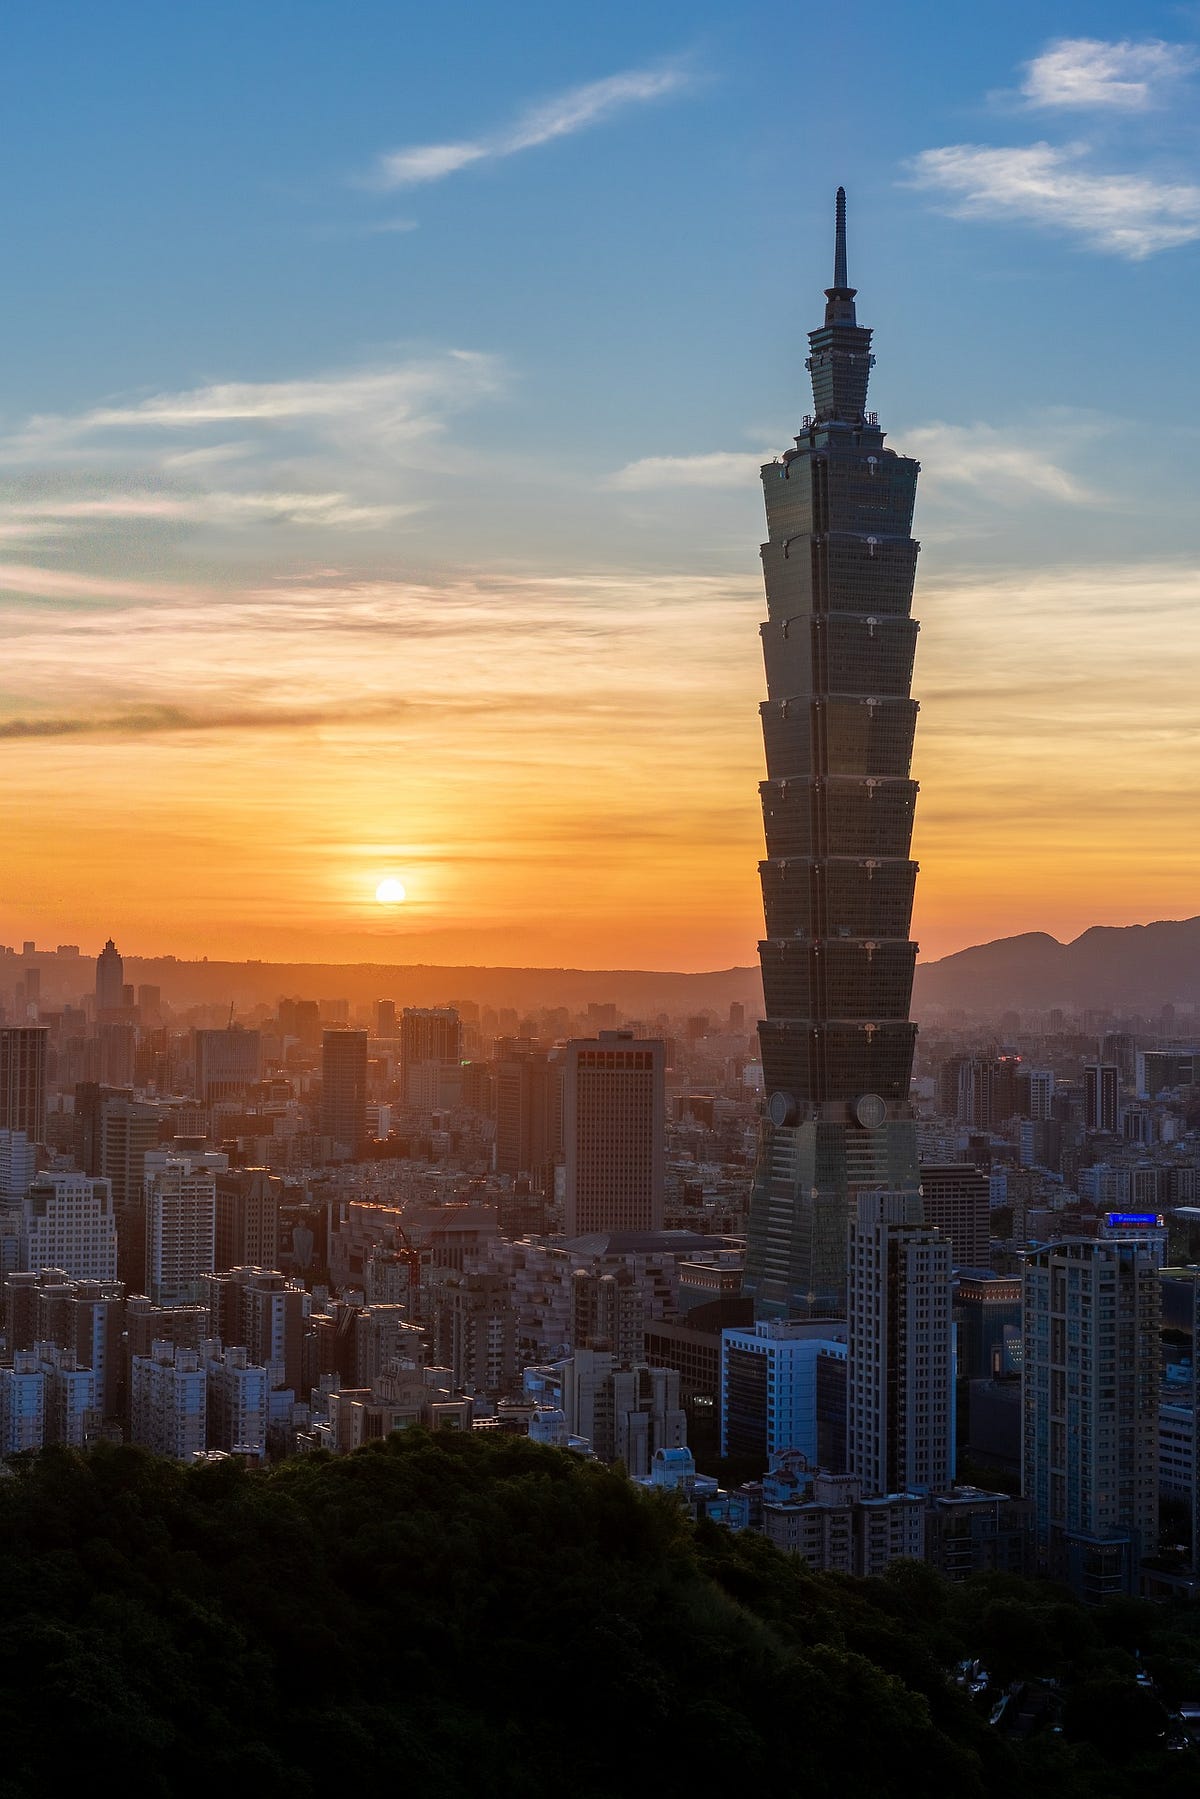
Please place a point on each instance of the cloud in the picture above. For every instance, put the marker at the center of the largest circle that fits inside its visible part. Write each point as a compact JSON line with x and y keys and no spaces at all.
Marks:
{"x":1040,"y":184}
{"x":1085,"y":72}
{"x":567,"y":113}
{"x":1009,"y":466}
{"x":716,"y":468}
{"x":151,"y":720}
{"x":401,"y":402}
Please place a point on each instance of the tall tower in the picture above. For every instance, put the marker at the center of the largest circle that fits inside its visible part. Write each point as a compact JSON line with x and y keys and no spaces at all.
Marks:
{"x":344,"y":1088}
{"x":838,"y":722}
{"x":614,"y":1133}
{"x":110,"y":979}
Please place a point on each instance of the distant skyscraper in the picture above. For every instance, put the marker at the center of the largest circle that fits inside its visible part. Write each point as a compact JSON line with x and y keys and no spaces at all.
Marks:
{"x":900,"y":1409}
{"x":23,"y":1051}
{"x":838,"y":803}
{"x":430,"y":1041}
{"x":1101,"y":1095}
{"x":1091,"y":1395}
{"x":614,"y":1129}
{"x":180,"y":1229}
{"x":227,"y":1062}
{"x":528,"y":1089}
{"x":344,"y":1088}
{"x":110,"y":980}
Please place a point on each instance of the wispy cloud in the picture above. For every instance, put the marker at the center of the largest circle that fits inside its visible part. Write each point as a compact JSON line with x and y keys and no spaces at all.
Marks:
{"x":715,"y":468}
{"x":1013,"y":467}
{"x":565,"y":114}
{"x":1088,"y":73}
{"x":1040,"y":184}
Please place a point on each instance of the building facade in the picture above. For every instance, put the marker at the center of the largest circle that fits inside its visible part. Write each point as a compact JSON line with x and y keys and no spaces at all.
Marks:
{"x":614,"y":1133}
{"x":838,"y":803}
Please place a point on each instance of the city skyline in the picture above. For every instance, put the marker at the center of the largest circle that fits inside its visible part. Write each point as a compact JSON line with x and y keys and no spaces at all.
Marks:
{"x":379,"y":441}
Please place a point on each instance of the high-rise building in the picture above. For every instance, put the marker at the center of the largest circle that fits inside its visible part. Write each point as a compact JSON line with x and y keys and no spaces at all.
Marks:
{"x":1092,"y":1368}
{"x":114,"y":1134}
{"x":263,"y":1312}
{"x":838,"y":803}
{"x":23,"y":1052}
{"x":227,"y":1062}
{"x":180,"y":1228}
{"x":169,"y":1401}
{"x":1101,"y":1095}
{"x":430,"y":1042}
{"x":18,"y":1165}
{"x":614,"y":1132}
{"x":528,"y":1102}
{"x":900,"y":1405}
{"x":769,"y":1386}
{"x":344,"y":1088}
{"x":110,"y":980}
{"x":956,"y":1202}
{"x":67,"y":1223}
{"x":247,"y":1218}
{"x":238,"y":1403}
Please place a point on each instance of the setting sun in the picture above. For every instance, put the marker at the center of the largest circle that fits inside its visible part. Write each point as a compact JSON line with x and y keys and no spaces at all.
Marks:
{"x":390,"y":892}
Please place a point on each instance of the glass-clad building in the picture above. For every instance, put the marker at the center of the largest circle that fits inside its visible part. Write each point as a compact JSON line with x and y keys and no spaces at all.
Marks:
{"x":838,"y":802}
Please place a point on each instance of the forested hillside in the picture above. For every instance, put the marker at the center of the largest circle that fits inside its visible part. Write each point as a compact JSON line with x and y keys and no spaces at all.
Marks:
{"x":459,"y":1615}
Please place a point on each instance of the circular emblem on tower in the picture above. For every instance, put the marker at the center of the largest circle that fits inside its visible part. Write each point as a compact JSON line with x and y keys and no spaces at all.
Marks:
{"x":781,"y":1110}
{"x":870,"y":1111}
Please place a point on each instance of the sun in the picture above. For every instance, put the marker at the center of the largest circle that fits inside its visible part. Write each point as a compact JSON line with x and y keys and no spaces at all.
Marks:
{"x":390,"y":892}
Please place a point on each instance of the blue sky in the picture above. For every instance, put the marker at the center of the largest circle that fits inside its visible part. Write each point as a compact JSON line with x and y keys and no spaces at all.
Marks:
{"x":305,"y":303}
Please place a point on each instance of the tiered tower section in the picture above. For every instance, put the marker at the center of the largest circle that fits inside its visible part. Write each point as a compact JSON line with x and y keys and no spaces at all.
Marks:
{"x":838,"y":802}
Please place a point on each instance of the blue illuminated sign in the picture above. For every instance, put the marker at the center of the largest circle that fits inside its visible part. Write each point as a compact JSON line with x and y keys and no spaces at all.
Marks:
{"x":1143,"y":1218}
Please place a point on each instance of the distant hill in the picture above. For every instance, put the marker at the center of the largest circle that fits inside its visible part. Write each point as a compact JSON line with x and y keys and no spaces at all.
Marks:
{"x":1139,"y":966}
{"x":637,"y":993}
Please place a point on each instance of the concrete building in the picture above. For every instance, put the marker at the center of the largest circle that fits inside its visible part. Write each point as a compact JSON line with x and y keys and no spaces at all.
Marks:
{"x":344,"y":1089}
{"x":625,"y":1414}
{"x":23,"y":1053}
{"x":110,"y":980}
{"x":246,"y":1218}
{"x":430,"y":1050}
{"x":67,"y":1223}
{"x":955,"y":1198}
{"x":769,"y":1386}
{"x":900,"y":1406}
{"x":22,"y":1404}
{"x":614,"y":1133}
{"x":1090,"y":1423}
{"x":226,"y":1062}
{"x":169,"y":1401}
{"x":474,"y":1331}
{"x":238,"y":1402}
{"x":528,"y":1110}
{"x":265,"y":1313}
{"x":18,"y":1165}
{"x":1101,"y":1096}
{"x":180,"y":1227}
{"x":72,"y":1409}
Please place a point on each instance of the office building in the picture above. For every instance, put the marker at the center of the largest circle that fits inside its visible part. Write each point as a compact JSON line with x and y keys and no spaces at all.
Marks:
{"x":900,"y":1405}
{"x":987,"y":1311}
{"x":67,"y":1223}
{"x":227,"y":1062}
{"x":625,"y":1414}
{"x":22,"y":1404}
{"x":614,"y":1133}
{"x":1091,"y":1395}
{"x":237,"y":1395}
{"x":838,"y":804}
{"x":769,"y":1386}
{"x":955,"y":1201}
{"x":528,"y":1108}
{"x":344,"y":1089}
{"x":110,"y":981}
{"x":23,"y":1052}
{"x":246,"y":1224}
{"x":263,"y":1312}
{"x":1101,"y":1096}
{"x":114,"y":1135}
{"x":430,"y":1047}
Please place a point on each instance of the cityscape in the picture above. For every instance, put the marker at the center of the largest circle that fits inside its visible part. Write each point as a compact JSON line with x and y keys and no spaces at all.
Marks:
{"x":415,"y":1330}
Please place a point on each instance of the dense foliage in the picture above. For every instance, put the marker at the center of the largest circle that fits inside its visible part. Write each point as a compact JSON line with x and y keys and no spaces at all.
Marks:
{"x":450,"y":1615}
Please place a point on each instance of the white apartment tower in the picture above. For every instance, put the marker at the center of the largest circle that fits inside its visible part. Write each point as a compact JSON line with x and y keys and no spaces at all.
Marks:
{"x":900,"y":1402}
{"x":614,"y":1133}
{"x":180,"y":1228}
{"x":67,"y":1222}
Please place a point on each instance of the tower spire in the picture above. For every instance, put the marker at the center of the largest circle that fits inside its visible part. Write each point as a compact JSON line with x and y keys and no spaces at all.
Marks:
{"x":839,"y":241}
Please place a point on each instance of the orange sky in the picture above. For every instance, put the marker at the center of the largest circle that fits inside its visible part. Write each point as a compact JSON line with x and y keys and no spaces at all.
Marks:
{"x":563,"y":771}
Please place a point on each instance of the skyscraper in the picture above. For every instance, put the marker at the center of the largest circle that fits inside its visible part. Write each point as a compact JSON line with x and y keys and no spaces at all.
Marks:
{"x":110,"y":980}
{"x":1101,"y":1096}
{"x":838,"y":803}
{"x":900,"y":1405}
{"x":614,"y":1130}
{"x":1091,"y":1392}
{"x":23,"y":1051}
{"x":344,"y":1088}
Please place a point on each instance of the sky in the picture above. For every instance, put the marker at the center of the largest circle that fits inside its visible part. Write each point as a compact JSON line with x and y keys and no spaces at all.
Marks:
{"x":382,"y":396}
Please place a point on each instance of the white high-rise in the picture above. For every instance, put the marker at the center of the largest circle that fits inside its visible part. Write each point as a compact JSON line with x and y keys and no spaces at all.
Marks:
{"x":900,"y":1404}
{"x":180,"y":1228}
{"x":67,"y":1222}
